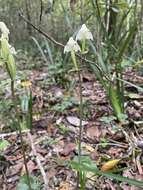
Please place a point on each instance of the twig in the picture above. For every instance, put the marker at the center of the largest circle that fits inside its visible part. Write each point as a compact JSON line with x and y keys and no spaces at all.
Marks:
{"x":12,"y":133}
{"x":45,"y":179}
{"x":41,"y":11}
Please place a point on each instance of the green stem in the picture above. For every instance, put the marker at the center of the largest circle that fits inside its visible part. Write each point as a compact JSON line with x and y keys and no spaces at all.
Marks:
{"x":81,"y":115}
{"x":80,"y":181}
{"x":83,"y":45}
{"x":74,"y":60}
{"x":29,"y":117}
{"x":20,"y":134}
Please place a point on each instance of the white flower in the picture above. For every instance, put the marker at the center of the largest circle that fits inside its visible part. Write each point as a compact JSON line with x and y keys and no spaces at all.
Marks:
{"x":4,"y":30}
{"x":12,"y":50}
{"x":84,"y":33}
{"x":71,"y":45}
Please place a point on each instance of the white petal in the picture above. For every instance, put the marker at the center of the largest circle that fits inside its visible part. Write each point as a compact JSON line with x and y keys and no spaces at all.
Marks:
{"x":71,"y":45}
{"x":84,"y":33}
{"x":4,"y":30}
{"x":12,"y":50}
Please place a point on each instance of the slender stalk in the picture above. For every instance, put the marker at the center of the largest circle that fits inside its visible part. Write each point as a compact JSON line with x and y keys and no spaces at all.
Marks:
{"x":80,"y":129}
{"x":79,"y":181}
{"x":20,"y":134}
{"x":81,"y":116}
{"x":81,"y":11}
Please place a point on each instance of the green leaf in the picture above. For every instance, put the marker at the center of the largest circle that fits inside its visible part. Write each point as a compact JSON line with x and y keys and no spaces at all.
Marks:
{"x":4,"y":48}
{"x":25,"y":103}
{"x":11,"y":67}
{"x":23,"y":184}
{"x":49,"y":51}
{"x":101,"y":62}
{"x":131,"y":84}
{"x":115,"y":101}
{"x":40,"y":49}
{"x":4,"y":144}
{"x":91,"y":168}
{"x":108,"y":119}
{"x":127,"y":40}
{"x":84,"y":160}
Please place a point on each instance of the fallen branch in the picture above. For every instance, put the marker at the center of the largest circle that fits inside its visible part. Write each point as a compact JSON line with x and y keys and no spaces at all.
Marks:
{"x":45,"y":179}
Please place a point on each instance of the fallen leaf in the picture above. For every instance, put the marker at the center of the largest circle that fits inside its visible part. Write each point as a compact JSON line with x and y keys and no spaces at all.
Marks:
{"x":114,"y":151}
{"x":68,"y":148}
{"x":94,"y":133}
{"x":26,"y":84}
{"x":109,"y":165}
{"x":14,"y":170}
{"x":87,"y":147}
{"x":75,"y":121}
{"x":31,"y":166}
{"x":64,"y":186}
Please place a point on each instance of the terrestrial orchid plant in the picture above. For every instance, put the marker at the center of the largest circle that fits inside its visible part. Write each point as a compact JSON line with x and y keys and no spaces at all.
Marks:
{"x":72,"y":46}
{"x":7,"y":53}
{"x":86,"y":165}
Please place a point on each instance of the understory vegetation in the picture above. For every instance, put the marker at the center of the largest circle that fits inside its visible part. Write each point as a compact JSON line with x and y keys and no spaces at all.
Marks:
{"x":71,"y":94}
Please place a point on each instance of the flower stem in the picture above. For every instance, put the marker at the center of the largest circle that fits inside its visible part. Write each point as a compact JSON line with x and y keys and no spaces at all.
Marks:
{"x":79,"y":181}
{"x":74,"y":60}
{"x":80,"y":128}
{"x":80,"y":114}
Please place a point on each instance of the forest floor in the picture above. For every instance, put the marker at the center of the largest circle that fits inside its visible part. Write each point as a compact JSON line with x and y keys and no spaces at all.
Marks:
{"x":55,"y":134}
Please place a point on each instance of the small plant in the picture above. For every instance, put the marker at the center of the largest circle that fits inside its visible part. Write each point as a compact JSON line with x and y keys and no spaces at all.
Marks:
{"x":73,"y":47}
{"x":23,"y":183}
{"x":87,"y":165}
{"x":67,"y":103}
{"x":83,"y":174}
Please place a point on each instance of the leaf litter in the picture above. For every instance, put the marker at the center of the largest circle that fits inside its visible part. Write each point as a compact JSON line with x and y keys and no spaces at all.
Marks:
{"x":55,"y":139}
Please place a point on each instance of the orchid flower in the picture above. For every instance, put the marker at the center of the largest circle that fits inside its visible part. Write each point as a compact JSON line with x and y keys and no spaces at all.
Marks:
{"x":71,"y":45}
{"x":84,"y":33}
{"x":4,"y":30}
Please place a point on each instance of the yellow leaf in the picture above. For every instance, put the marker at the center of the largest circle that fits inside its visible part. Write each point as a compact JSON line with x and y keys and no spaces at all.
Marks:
{"x":26,"y":83}
{"x":110,"y":165}
{"x":88,"y":148}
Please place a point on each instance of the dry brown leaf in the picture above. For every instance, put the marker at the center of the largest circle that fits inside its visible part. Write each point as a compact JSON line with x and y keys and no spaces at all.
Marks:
{"x":70,"y":147}
{"x":114,"y":151}
{"x":93,"y":133}
{"x":64,"y":186}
